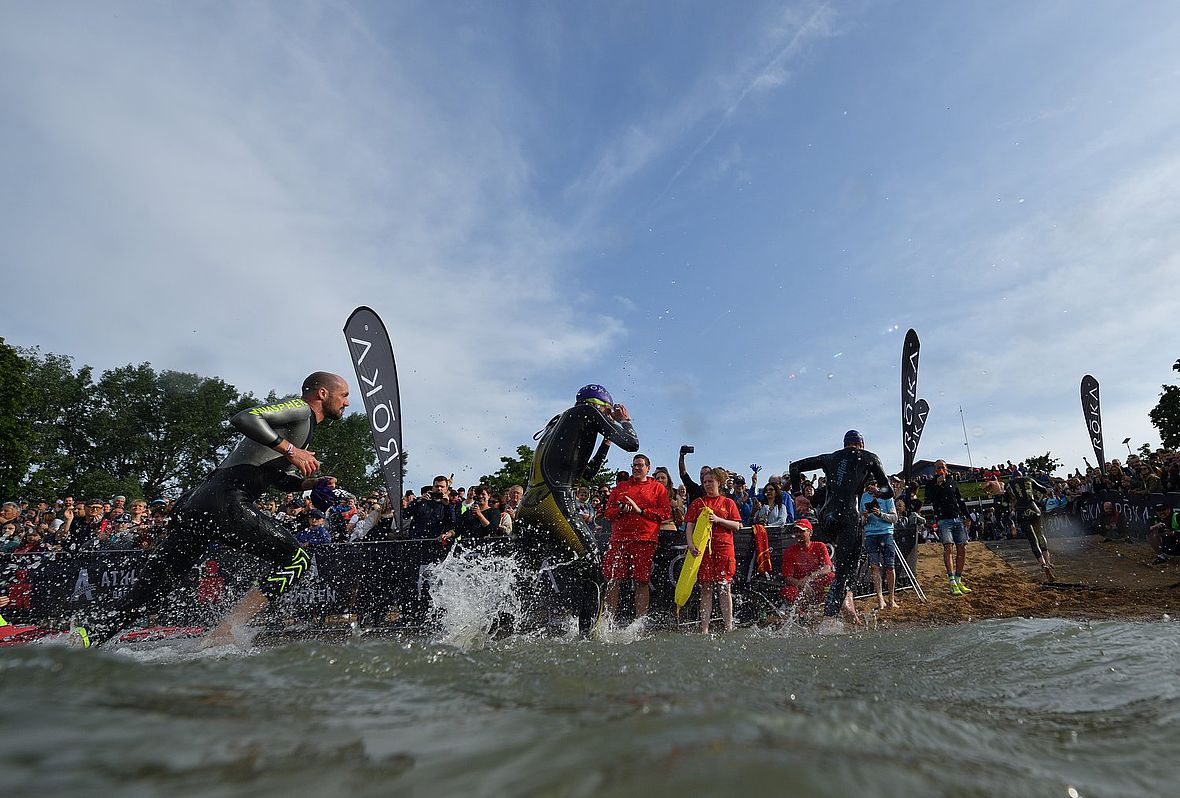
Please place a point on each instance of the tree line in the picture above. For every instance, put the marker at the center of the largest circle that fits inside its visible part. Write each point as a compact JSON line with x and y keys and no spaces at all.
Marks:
{"x":136,"y":431}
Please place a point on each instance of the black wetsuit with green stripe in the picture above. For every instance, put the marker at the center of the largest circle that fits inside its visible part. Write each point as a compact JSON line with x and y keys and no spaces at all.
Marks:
{"x":222,"y":509}
{"x":1025,"y":496}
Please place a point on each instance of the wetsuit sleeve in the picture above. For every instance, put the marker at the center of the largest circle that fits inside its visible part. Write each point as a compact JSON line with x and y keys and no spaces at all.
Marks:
{"x":620,"y":433}
{"x":258,"y":423}
{"x":806,"y":464}
{"x":595,"y":464}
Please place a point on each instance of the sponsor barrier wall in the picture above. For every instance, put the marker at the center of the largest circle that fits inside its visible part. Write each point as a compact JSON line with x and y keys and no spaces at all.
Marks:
{"x":373,"y":578}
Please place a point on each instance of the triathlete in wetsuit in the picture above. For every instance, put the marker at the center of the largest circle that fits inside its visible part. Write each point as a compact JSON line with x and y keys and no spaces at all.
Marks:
{"x":1025,"y":495}
{"x":548,"y":522}
{"x":273,"y":452}
{"x":847,"y":471}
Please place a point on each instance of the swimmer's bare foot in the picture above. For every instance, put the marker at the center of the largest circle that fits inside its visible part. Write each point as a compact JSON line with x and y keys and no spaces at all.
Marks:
{"x":850,"y":611}
{"x":893,"y":604}
{"x":881,"y":604}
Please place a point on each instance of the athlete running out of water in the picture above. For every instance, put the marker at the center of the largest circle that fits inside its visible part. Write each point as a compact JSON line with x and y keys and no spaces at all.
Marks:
{"x":273,"y":452}
{"x":1025,"y":496}
{"x":549,"y":526}
{"x":847,"y":471}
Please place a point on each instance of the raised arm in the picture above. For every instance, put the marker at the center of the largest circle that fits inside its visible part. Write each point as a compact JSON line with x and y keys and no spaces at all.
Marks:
{"x":798,"y":468}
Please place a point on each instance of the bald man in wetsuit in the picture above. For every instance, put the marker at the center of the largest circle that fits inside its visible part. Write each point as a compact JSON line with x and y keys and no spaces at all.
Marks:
{"x":847,"y":471}
{"x":548,"y":523}
{"x":272,"y":453}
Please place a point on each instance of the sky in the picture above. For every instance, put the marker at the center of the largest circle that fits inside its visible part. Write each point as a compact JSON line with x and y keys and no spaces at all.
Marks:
{"x":727,"y":215}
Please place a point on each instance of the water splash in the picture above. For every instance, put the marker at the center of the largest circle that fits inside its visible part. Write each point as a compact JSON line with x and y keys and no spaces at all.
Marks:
{"x":474,"y":594}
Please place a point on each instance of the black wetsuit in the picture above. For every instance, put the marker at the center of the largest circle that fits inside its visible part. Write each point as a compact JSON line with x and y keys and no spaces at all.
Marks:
{"x":222,"y":509}
{"x":1024,"y":495}
{"x":548,"y":524}
{"x":847,"y":470}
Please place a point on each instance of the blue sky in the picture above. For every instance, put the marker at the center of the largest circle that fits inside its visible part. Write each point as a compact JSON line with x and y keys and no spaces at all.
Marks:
{"x":729,"y":218}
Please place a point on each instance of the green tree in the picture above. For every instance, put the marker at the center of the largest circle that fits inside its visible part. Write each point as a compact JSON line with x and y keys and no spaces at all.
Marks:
{"x":16,"y":423}
{"x":1042,"y":464}
{"x":1165,"y":416}
{"x":62,"y":401}
{"x":156,"y":433}
{"x":135,"y":431}
{"x":514,"y":471}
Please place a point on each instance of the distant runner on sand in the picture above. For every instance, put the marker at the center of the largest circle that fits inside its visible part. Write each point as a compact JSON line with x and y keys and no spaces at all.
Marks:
{"x":847,"y":471}
{"x":272,"y":452}
{"x":1025,"y":495}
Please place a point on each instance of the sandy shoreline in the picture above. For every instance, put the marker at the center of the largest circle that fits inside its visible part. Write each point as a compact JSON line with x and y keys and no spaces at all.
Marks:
{"x":1096,"y":578}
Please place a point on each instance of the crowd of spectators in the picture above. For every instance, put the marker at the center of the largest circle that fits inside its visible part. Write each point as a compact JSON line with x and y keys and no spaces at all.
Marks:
{"x":70,"y":526}
{"x":444,"y":511}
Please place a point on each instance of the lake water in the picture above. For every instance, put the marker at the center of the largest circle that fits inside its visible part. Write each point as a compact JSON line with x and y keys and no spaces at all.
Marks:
{"x":995,"y":708}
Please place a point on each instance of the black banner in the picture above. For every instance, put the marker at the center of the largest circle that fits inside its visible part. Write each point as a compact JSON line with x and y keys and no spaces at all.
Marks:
{"x":921,"y":411}
{"x":1081,"y":517}
{"x":1092,"y":410}
{"x":372,"y":358}
{"x":365,"y":578}
{"x":910,"y":431}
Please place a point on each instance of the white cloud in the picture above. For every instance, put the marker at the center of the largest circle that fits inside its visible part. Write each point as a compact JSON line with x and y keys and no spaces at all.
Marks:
{"x":216,"y":195}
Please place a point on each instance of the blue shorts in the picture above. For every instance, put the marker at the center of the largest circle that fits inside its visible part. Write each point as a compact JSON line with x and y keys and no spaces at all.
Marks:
{"x":951,"y":530}
{"x":880,"y":549}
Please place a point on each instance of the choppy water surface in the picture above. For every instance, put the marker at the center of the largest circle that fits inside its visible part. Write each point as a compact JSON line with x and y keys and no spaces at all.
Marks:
{"x":1019,"y":707}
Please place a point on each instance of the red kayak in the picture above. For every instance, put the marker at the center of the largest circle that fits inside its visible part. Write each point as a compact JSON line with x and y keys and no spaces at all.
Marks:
{"x":12,"y":635}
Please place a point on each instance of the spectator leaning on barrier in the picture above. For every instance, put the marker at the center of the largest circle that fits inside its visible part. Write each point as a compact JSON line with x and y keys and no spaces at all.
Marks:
{"x":672,"y":523}
{"x":772,"y":511}
{"x":1164,"y":533}
{"x":949,"y":511}
{"x":316,"y":533}
{"x":1111,"y":523}
{"x":480,"y":523}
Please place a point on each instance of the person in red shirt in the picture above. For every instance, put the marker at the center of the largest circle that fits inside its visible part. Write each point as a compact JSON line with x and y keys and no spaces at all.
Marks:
{"x":718,"y":563}
{"x":807,"y":570}
{"x":635,"y":509}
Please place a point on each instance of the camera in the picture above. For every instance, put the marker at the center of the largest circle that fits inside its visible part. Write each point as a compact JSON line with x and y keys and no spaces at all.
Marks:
{"x":873,"y":505}
{"x":687,"y":449}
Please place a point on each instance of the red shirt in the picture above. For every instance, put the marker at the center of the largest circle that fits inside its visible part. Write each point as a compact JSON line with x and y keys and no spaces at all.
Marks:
{"x":800,"y":562}
{"x":651,"y":497}
{"x":722,"y":507}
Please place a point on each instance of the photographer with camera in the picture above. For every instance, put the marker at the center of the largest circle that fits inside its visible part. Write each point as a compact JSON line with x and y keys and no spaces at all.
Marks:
{"x":693,"y":490}
{"x":433,"y":516}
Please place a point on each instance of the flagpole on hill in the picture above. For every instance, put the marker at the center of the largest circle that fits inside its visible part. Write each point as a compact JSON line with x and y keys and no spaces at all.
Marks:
{"x":965,"y":442}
